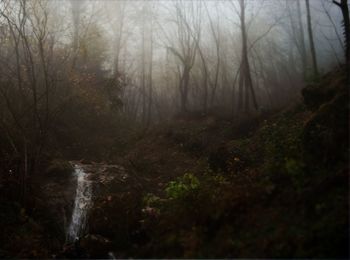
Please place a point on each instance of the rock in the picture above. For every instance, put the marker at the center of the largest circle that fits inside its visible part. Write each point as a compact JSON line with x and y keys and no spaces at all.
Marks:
{"x":150,"y":211}
{"x":96,"y":246}
{"x":84,"y":161}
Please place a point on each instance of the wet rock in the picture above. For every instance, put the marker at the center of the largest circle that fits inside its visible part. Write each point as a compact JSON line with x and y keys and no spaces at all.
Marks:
{"x":84,"y":161}
{"x":96,"y":246}
{"x":59,"y":200}
{"x":150,"y":211}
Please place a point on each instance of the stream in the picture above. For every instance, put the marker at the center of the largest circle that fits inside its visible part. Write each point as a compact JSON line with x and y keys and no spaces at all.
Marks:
{"x":83,"y":201}
{"x":82,"y":204}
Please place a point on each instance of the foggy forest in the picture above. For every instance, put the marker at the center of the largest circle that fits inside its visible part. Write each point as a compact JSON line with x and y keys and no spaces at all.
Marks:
{"x":174,"y":129}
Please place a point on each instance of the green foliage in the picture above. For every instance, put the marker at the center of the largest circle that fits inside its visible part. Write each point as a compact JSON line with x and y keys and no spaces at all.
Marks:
{"x":150,"y":200}
{"x":293,"y":166}
{"x":188,"y":206}
{"x":182,"y":186}
{"x":295,"y":170}
{"x":283,"y":147}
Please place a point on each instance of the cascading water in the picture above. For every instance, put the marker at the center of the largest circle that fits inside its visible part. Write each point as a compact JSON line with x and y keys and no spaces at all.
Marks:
{"x":82,"y":204}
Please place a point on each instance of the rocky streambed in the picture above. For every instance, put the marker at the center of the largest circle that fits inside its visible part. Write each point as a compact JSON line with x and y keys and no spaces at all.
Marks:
{"x":97,"y":208}
{"x":90,"y":181}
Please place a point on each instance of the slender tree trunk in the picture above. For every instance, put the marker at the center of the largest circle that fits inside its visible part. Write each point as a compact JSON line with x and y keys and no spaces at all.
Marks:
{"x":345,"y":11}
{"x":118,"y":34}
{"x":311,"y":39}
{"x":186,"y":79}
{"x":302,"y":39}
{"x":205,"y":78}
{"x":25,"y":174}
{"x":240,"y":89}
{"x":216,"y":35}
{"x":205,"y":84}
{"x":248,"y":83}
{"x":343,"y":5}
{"x":76,"y":9}
{"x":143,"y":76}
{"x":150,"y":78}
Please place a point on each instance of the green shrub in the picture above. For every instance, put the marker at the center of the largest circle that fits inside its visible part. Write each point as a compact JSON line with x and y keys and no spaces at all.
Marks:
{"x":295,"y":169}
{"x":150,"y":200}
{"x":182,"y":186}
{"x":283,"y":152}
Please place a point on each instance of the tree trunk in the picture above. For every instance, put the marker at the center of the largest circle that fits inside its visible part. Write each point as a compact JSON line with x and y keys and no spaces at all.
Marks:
{"x":240,"y":89}
{"x":143,"y":76}
{"x":302,"y":39}
{"x":76,"y":11}
{"x":346,"y":25}
{"x":150,"y":78}
{"x":205,"y":78}
{"x":311,"y":39}
{"x":185,"y":81}
{"x":247,"y":78}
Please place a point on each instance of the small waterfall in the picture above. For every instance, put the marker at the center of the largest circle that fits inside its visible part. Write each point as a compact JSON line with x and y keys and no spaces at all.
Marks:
{"x":82,"y":204}
{"x":111,"y":255}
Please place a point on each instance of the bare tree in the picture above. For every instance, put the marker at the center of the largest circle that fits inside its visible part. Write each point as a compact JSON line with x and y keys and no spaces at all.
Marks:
{"x":118,"y":29}
{"x":77,"y":8}
{"x":216,"y":35}
{"x":311,"y":40}
{"x":245,"y":77}
{"x":185,"y":16}
{"x":301,"y":37}
{"x":343,"y":5}
{"x":30,"y":81}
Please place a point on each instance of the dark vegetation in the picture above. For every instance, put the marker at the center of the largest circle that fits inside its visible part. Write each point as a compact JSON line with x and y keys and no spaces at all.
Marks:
{"x":216,"y":148}
{"x":196,"y":191}
{"x":275,"y":186}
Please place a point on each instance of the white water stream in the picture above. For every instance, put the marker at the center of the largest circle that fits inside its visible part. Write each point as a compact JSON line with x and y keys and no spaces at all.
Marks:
{"x":82,"y":204}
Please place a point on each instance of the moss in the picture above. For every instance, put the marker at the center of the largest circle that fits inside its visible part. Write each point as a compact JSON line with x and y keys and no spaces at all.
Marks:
{"x":182,"y":187}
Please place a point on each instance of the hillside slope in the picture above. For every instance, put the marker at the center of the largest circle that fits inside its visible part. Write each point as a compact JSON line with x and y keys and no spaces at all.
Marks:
{"x":194,"y":189}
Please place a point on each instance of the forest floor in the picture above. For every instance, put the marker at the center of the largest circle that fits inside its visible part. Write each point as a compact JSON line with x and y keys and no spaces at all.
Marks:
{"x":201,"y":187}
